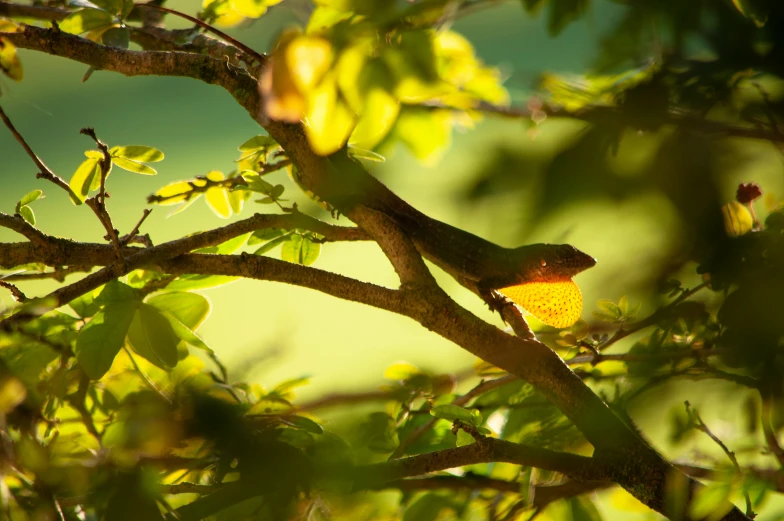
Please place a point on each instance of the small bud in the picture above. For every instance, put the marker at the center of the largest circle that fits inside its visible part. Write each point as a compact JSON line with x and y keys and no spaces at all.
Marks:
{"x":748,"y":192}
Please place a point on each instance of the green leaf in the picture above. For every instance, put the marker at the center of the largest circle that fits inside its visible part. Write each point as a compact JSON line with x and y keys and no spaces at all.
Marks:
{"x":267,"y":234}
{"x":711,"y":502}
{"x":228,"y":247}
{"x":258,"y":142}
{"x":117,"y":37}
{"x":30,"y":197}
{"x":463,"y":439}
{"x":27,"y":214}
{"x":189,"y":308}
{"x":301,"y":250}
{"x":583,"y":509}
{"x":152,"y":337}
{"x":476,"y":417}
{"x":138,"y":153}
{"x":85,"y":305}
{"x":85,"y":20}
{"x":133,"y":166}
{"x":193,"y":282}
{"x":623,"y":305}
{"x":272,"y":244}
{"x":186,"y":334}
{"x":83,"y":178}
{"x":426,"y":508}
{"x":102,"y":338}
{"x":237,"y":199}
{"x":300,"y":422}
{"x":117,"y":292}
{"x":451,"y":412}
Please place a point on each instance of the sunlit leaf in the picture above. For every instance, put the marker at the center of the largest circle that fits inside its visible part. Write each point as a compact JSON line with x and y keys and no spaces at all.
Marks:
{"x":282,"y":99}
{"x":377,"y":119}
{"x":27,"y":214}
{"x":30,"y":197}
{"x":84,"y":177}
{"x":194,"y":282}
{"x":174,"y":193}
{"x":267,"y":234}
{"x":258,"y":142}
{"x":328,"y":119}
{"x":308,"y":58}
{"x":185,"y":333}
{"x":217,"y":197}
{"x":189,"y":308}
{"x":133,"y":166}
{"x":227,"y":247}
{"x":152,"y":337}
{"x":9,"y":61}
{"x":427,"y":133}
{"x":270,"y":245}
{"x":301,"y":250}
{"x":138,"y":153}
{"x":451,"y":412}
{"x":737,"y":219}
{"x":85,"y":20}
{"x":711,"y":502}
{"x":12,"y":393}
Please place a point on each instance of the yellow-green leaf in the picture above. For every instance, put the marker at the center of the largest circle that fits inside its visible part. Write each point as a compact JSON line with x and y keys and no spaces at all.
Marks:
{"x":9,"y":61}
{"x":217,"y":197}
{"x":138,"y":153}
{"x":301,"y":250}
{"x":426,"y":132}
{"x":174,"y":193}
{"x":378,"y":118}
{"x":27,"y":214}
{"x":737,"y":219}
{"x":85,"y":20}
{"x":82,"y":180}
{"x":133,"y":166}
{"x":328,"y":120}
{"x":308,"y":59}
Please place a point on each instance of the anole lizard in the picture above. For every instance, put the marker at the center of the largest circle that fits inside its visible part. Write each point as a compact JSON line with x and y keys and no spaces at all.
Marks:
{"x":537,"y":277}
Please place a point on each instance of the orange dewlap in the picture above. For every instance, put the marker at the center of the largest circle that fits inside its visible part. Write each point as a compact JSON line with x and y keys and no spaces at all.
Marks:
{"x":557,"y":304}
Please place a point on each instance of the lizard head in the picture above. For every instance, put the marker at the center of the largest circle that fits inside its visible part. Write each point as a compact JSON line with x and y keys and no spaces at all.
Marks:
{"x":545,"y":288}
{"x":552,"y":262}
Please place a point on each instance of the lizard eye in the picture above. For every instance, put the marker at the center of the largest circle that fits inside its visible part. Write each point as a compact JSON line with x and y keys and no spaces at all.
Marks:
{"x":543,"y":263}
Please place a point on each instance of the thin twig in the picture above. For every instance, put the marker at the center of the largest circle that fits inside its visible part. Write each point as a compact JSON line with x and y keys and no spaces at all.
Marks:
{"x":98,"y":202}
{"x":44,"y":171}
{"x":481,"y":388}
{"x":128,"y":238}
{"x":700,"y":425}
{"x":17,"y":293}
{"x":653,"y":318}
